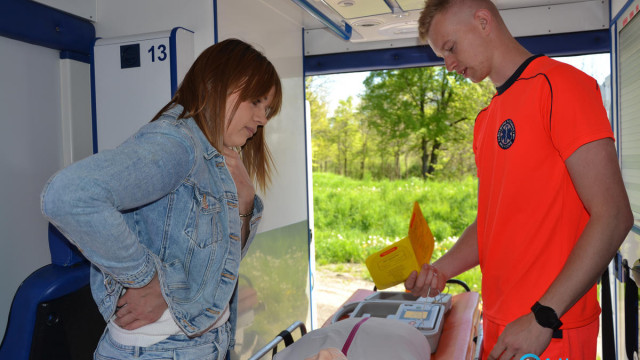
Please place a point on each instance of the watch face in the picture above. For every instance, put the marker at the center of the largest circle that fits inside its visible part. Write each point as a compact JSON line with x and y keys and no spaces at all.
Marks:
{"x":546,"y":316}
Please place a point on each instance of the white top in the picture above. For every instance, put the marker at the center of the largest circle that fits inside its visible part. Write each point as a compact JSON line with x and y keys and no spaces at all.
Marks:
{"x":376,"y":338}
{"x":155,"y":332}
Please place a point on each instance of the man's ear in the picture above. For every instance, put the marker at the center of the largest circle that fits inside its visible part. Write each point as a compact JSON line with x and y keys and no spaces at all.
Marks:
{"x":483,"y":18}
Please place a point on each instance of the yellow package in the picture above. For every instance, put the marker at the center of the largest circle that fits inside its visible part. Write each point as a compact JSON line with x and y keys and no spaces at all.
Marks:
{"x":393,"y":264}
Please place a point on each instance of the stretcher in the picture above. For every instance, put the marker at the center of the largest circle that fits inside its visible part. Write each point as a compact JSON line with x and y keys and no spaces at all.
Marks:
{"x":458,"y":337}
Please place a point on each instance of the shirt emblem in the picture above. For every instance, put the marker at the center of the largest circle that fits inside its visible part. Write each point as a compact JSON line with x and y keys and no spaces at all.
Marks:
{"x":506,"y":134}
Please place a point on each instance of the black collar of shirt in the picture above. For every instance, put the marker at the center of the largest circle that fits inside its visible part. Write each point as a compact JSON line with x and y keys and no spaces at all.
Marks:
{"x":502,"y":88}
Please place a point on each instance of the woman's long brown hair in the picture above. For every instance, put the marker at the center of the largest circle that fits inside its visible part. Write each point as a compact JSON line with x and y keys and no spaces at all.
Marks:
{"x":226,"y":67}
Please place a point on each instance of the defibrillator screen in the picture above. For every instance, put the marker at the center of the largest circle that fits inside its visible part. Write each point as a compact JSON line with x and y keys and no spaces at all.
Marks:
{"x":416,"y":314}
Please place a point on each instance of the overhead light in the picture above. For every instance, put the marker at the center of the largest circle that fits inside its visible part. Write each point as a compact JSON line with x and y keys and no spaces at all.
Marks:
{"x":346,"y":3}
{"x":368,"y":22}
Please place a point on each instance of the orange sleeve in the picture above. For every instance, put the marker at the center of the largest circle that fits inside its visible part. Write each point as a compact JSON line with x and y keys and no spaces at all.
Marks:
{"x":577,"y":113}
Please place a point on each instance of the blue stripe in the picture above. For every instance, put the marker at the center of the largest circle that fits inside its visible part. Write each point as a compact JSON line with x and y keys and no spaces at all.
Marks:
{"x":173,"y":61}
{"x":215,"y":21}
{"x":37,"y":24}
{"x":588,"y":42}
{"x":173,"y":58}
{"x":66,"y":54}
{"x":94,"y":121}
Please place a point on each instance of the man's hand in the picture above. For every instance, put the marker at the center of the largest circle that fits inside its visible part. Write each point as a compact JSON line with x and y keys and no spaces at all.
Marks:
{"x":522,"y":336}
{"x":142,"y":306}
{"x":429,"y":282}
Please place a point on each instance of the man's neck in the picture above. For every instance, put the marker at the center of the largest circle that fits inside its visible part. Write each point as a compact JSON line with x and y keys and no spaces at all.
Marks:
{"x":508,"y":60}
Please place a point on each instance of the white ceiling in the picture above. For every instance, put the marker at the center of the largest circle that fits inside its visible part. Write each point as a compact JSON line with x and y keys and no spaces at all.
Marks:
{"x":385,"y":20}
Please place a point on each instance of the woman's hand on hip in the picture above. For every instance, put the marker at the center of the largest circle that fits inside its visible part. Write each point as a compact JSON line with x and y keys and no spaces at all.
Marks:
{"x":140,"y":306}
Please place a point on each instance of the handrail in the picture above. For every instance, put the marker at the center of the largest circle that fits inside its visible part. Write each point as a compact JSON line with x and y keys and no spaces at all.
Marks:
{"x":344,"y":33}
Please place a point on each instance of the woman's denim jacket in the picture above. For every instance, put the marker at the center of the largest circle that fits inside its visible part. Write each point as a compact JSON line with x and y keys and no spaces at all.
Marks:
{"x":163,"y":201}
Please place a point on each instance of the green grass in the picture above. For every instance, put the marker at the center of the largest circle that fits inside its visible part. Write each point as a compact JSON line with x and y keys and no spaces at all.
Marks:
{"x":355,"y":218}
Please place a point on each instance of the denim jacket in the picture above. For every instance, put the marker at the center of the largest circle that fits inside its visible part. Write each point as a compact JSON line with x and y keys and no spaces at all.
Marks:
{"x":162,"y":202}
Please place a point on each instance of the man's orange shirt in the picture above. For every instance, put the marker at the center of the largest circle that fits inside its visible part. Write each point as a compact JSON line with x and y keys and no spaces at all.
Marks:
{"x":529,"y":214}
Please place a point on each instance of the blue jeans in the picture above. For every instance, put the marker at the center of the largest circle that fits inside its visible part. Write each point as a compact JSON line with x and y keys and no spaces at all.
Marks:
{"x":212,"y":345}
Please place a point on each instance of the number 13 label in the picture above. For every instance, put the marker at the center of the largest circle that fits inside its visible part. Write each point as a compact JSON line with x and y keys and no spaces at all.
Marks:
{"x":158,"y":52}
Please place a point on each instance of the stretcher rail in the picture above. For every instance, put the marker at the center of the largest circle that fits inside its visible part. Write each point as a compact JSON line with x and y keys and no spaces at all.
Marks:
{"x":283,"y":336}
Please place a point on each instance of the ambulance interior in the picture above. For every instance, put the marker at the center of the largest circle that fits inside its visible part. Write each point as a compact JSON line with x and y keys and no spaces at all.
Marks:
{"x":63,"y":83}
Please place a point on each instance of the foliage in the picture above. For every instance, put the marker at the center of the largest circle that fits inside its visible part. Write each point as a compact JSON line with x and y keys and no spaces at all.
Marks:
{"x":410,"y":122}
{"x":321,"y":145}
{"x":355,"y":218}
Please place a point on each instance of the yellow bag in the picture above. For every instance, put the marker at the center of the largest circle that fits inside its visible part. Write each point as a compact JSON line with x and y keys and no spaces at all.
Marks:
{"x":393,"y":264}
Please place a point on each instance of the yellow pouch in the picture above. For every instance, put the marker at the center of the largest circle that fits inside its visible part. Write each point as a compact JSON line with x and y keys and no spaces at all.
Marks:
{"x":394,"y":263}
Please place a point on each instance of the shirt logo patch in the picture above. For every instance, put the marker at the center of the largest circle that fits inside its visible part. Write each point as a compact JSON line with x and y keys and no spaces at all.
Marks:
{"x":506,"y":134}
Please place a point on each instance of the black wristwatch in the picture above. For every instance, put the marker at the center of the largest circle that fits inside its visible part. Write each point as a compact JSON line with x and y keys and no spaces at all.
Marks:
{"x":546,"y":316}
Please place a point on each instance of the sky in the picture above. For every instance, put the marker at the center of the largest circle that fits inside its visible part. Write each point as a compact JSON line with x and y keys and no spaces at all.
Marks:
{"x":341,"y":86}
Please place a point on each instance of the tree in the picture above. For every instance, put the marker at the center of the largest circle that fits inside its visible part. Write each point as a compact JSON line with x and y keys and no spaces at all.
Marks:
{"x":321,"y":143}
{"x":344,"y":133}
{"x":425,"y":106}
{"x":387,"y":115}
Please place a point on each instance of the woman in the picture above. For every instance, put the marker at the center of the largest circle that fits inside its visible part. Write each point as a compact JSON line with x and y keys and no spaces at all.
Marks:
{"x":166,"y":217}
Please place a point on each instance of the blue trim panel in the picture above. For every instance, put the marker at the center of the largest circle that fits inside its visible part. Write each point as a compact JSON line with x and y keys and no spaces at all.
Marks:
{"x":567,"y":44}
{"x":344,"y":33}
{"x":94,"y":121}
{"x":588,"y":42}
{"x":37,"y":24}
{"x":215,"y":21}
{"x":66,"y":54}
{"x":173,"y":60}
{"x":370,"y":60}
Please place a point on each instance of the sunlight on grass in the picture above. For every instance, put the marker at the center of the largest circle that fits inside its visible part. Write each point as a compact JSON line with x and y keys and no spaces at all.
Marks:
{"x":355,"y":218}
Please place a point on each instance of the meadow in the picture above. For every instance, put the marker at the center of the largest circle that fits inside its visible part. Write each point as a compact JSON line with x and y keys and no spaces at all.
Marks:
{"x":355,"y":218}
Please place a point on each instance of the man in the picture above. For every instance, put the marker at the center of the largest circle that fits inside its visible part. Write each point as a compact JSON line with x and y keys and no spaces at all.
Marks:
{"x":552,"y":207}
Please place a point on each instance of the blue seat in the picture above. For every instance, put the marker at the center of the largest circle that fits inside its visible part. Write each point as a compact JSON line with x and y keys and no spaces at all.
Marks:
{"x":53,"y":315}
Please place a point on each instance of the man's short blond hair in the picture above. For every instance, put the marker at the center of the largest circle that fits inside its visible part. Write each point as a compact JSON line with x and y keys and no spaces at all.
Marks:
{"x":435,"y":7}
{"x":431,"y":9}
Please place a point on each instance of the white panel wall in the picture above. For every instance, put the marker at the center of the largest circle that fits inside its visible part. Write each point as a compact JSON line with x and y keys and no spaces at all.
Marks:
{"x":83,"y":8}
{"x":274,"y":28}
{"x":126,"y":99}
{"x":30,"y":152}
{"x":124,"y":17}
{"x":75,"y":102}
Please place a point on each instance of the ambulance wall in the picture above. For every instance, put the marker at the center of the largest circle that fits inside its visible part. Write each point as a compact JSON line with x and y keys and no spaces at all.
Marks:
{"x":31,"y":150}
{"x":46,"y":124}
{"x":274,"y":277}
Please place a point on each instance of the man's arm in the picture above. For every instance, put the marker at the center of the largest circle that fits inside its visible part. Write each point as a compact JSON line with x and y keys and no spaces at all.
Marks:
{"x":596,"y":176}
{"x":461,"y":257}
